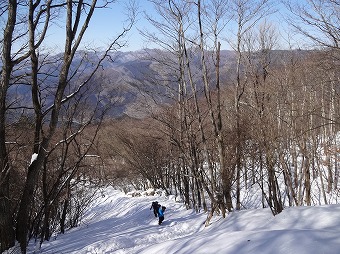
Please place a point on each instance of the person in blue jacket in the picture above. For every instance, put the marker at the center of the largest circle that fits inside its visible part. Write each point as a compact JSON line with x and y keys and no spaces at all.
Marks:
{"x":161,"y":210}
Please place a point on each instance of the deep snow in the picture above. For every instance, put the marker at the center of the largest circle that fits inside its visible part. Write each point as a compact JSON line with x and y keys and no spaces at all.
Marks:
{"x":119,"y":223}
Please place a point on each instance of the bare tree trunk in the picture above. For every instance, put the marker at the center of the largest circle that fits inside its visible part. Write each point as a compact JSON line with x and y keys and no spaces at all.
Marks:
{"x":307,"y":181}
{"x":215,"y":124}
{"x":65,"y":207}
{"x":323,"y":192}
{"x":288,"y":181}
{"x":205,"y":82}
{"x":239,"y":90}
{"x":6,"y":217}
{"x":274,"y":190}
{"x":36,"y":166}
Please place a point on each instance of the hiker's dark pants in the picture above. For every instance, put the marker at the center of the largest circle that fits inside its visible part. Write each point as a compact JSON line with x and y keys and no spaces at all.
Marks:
{"x":155,"y":212}
{"x":160,"y":220}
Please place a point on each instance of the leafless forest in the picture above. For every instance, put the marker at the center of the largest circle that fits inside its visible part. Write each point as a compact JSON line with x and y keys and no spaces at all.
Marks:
{"x":259,"y":128}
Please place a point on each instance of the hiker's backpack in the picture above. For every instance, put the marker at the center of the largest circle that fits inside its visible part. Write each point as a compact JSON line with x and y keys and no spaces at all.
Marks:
{"x":155,"y":205}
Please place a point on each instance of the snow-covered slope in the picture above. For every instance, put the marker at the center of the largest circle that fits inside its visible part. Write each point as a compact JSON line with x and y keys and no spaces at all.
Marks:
{"x":119,"y":223}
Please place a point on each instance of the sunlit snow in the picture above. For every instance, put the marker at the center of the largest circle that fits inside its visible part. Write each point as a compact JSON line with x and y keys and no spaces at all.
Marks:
{"x":119,"y":223}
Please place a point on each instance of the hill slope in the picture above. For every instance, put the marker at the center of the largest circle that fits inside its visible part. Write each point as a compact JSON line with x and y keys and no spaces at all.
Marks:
{"x":119,"y":223}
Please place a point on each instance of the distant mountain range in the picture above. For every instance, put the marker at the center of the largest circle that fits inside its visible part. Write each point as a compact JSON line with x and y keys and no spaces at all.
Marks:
{"x":132,"y":82}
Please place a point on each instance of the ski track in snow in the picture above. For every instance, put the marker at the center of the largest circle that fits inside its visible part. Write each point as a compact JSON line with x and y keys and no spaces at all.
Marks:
{"x":121,"y":224}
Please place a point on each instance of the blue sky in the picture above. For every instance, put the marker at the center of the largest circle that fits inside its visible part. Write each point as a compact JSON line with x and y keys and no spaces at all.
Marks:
{"x":107,"y":23}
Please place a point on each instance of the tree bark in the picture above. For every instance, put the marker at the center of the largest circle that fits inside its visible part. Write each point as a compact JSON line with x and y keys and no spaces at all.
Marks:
{"x":6,"y":217}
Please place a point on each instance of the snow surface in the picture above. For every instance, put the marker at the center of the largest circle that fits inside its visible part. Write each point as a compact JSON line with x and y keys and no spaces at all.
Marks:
{"x":119,"y":223}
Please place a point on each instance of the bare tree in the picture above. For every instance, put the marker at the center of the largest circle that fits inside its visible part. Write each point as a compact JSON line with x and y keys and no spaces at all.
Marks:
{"x":78,"y":16}
{"x":318,"y":21}
{"x":246,"y":15}
{"x":6,"y":217}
